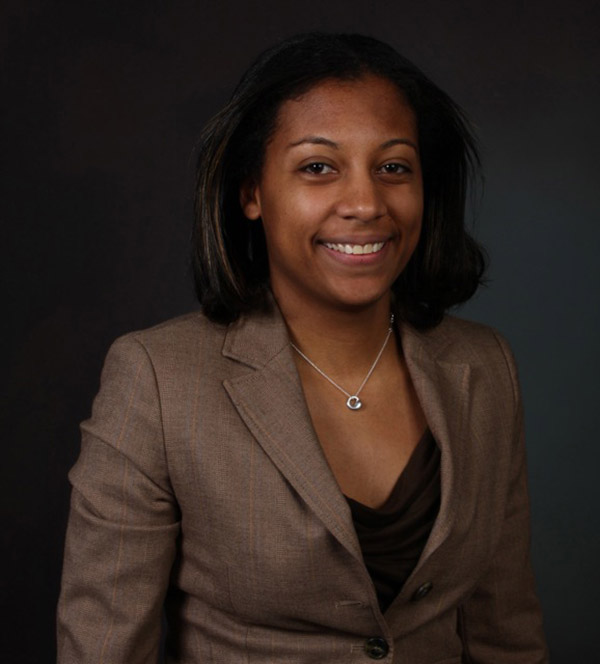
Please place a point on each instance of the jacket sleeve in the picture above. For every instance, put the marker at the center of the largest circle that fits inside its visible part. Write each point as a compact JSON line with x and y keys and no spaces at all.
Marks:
{"x":501,"y":622}
{"x":123,"y":524}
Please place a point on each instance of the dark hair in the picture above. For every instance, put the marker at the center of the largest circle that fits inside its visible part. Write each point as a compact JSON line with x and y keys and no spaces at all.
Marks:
{"x":229,"y":253}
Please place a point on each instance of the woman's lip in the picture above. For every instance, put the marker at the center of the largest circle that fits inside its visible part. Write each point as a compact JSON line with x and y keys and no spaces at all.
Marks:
{"x":370,"y":258}
{"x":354,"y":248}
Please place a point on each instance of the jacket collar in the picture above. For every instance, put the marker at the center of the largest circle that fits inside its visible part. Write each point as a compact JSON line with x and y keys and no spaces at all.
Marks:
{"x":255,"y":339}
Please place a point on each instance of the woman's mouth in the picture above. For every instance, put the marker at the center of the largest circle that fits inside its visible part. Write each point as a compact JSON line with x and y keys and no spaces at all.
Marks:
{"x":356,"y":249}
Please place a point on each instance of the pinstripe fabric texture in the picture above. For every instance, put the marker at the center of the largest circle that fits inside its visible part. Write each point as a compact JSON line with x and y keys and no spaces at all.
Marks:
{"x":201,"y":487}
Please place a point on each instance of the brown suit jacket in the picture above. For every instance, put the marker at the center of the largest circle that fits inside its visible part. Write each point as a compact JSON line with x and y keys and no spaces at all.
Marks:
{"x":201,"y":486}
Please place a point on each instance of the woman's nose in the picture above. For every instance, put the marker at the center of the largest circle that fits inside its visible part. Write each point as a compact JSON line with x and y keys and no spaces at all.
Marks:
{"x":360,"y":198}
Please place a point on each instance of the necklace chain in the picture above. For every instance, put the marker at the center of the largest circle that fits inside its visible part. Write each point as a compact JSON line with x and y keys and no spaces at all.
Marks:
{"x":353,"y":402}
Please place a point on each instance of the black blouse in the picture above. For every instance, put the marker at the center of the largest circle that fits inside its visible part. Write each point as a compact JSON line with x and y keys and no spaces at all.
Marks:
{"x":393,"y":536}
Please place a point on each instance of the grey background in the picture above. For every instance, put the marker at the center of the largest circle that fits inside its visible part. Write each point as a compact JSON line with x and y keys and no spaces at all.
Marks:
{"x":103,"y":102}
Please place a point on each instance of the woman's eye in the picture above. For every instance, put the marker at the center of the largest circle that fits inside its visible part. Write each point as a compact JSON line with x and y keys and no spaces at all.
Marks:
{"x":318,"y":168}
{"x":394,"y":168}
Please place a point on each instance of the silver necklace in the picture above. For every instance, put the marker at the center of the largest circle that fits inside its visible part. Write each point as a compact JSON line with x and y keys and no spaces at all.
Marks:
{"x":353,"y":402}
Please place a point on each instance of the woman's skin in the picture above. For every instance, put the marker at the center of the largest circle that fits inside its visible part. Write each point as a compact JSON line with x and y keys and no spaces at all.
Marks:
{"x":343,"y":168}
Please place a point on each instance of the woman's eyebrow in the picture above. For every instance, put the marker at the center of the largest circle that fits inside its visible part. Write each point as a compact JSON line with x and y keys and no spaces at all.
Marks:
{"x":314,"y":140}
{"x":399,"y":141}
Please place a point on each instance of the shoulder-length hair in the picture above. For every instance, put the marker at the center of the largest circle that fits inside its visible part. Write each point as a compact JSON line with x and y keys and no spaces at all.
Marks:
{"x":230,"y":259}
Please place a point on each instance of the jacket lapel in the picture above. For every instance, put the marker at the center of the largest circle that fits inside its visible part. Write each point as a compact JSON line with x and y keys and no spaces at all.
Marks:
{"x":271,"y":402}
{"x":442,"y":385}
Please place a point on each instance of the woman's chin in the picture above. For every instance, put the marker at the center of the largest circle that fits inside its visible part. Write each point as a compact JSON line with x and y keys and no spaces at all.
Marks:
{"x":355,"y":298}
{"x":334,"y":294}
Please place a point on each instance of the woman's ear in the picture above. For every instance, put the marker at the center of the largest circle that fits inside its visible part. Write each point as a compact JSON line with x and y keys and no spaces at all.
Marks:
{"x":250,"y":199}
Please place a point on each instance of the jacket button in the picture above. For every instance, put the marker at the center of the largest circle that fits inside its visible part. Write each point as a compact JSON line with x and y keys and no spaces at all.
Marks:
{"x":422,"y":591}
{"x":377,"y":647}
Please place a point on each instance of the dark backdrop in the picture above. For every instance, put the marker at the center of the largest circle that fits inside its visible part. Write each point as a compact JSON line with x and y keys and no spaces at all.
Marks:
{"x":103,"y":102}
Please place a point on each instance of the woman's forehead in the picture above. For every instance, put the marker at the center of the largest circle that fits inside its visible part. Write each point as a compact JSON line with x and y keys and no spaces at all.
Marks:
{"x":370,"y":104}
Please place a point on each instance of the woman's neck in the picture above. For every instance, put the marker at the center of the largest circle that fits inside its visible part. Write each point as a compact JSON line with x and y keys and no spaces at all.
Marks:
{"x":340,"y":341}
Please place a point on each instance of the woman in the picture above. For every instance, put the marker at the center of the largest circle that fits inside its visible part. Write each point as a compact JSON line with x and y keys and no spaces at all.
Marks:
{"x":322,"y":466}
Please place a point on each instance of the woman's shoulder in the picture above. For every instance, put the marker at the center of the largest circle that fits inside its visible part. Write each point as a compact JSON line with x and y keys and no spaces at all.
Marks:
{"x":461,"y":340}
{"x":172,"y":344}
{"x":456,"y":328}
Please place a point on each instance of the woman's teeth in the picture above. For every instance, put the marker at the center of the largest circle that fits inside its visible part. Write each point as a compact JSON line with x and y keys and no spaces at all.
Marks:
{"x":355,"y":248}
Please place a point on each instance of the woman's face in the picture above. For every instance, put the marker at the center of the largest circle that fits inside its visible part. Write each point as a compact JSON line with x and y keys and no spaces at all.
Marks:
{"x":340,"y":194}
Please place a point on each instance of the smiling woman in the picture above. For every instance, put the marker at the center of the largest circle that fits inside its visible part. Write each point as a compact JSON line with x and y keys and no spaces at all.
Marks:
{"x":341,"y":174}
{"x":323,"y":465}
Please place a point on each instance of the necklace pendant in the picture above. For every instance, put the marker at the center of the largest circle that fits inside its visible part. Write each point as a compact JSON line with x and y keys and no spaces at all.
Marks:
{"x":354,"y":403}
